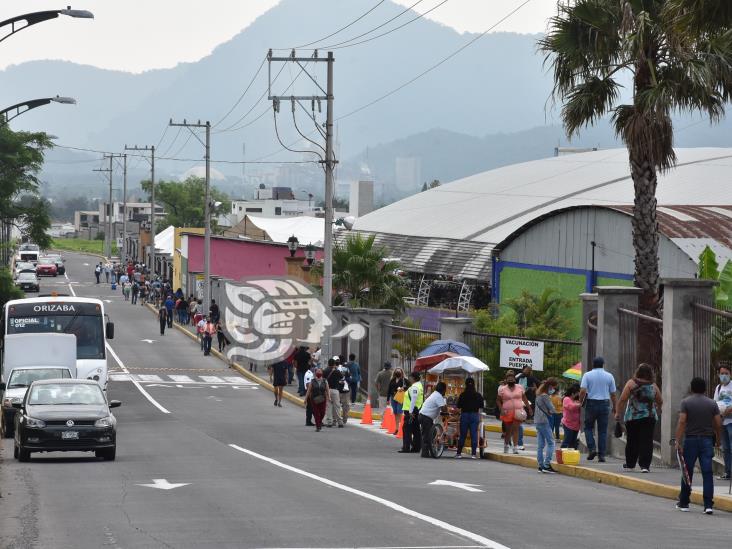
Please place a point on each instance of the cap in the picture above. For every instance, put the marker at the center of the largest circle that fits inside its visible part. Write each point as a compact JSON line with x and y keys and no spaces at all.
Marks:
{"x":337,"y":358}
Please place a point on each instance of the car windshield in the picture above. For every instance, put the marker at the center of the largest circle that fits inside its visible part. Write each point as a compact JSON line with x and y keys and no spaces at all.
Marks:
{"x":88,"y":330}
{"x":21,"y":266}
{"x":24,"y":377}
{"x":45,"y":261}
{"x":58,"y":394}
{"x":26,"y":276}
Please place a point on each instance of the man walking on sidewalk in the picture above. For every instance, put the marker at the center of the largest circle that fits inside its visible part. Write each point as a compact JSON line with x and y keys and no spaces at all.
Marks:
{"x":169,"y":305}
{"x":162,"y":318}
{"x":333,"y":410}
{"x":598,"y":387}
{"x":698,"y":432}
{"x":208,"y":332}
{"x":355,"y":371}
{"x":98,"y":271}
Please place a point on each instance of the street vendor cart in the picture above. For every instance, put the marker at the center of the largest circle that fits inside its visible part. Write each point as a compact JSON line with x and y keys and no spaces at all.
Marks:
{"x":454,"y":371}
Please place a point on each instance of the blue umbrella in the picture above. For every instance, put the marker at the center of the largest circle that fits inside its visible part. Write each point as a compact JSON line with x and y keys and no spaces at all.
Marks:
{"x":446,"y":346}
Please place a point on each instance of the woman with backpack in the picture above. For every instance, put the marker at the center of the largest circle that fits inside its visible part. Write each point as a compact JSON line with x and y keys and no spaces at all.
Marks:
{"x":640,"y":400}
{"x":318,"y":395}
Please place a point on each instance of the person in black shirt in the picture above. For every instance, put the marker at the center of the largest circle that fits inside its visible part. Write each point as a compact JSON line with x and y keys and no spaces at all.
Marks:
{"x":214,"y":311}
{"x":334,"y":379}
{"x":302,"y":362}
{"x":470,"y":402}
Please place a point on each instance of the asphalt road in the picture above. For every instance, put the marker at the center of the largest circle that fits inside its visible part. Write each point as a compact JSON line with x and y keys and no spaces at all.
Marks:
{"x":255,"y":476}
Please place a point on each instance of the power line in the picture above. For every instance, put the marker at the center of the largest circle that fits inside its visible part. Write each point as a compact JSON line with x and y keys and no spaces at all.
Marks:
{"x":339,"y":30}
{"x":251,"y":82}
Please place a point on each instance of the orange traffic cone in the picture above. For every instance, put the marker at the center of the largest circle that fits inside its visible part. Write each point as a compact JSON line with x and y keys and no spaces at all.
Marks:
{"x":366,"y":418}
{"x":387,"y":420}
{"x":400,"y":433}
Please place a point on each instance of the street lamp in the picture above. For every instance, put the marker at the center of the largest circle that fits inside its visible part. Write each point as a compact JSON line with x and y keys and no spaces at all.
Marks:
{"x":25,"y":106}
{"x":292,"y":243}
{"x":39,"y":16}
{"x":310,"y":254}
{"x":346,"y":222}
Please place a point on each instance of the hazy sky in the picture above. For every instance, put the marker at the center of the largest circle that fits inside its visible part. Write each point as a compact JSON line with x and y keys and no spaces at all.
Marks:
{"x":136,"y":35}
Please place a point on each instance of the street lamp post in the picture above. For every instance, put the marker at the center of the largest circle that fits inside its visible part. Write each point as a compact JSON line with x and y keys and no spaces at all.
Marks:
{"x":292,"y":243}
{"x":30,"y":19}
{"x":25,"y":106}
{"x":310,"y":254}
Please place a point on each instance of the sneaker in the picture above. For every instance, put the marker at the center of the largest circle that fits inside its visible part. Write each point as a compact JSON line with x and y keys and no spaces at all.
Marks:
{"x":708,"y":511}
{"x":683,"y":509}
{"x":521,"y":447}
{"x":592,"y":455}
{"x":601,"y":459}
{"x":724,"y":477}
{"x":473,"y":456}
{"x":458,"y":456}
{"x":549,"y":469}
{"x":515,"y":451}
{"x":505,"y":448}
{"x":628,"y":469}
{"x":541,"y":469}
{"x":644,"y":470}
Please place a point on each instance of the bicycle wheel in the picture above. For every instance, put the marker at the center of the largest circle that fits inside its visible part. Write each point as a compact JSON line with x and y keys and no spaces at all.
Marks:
{"x":437,"y":442}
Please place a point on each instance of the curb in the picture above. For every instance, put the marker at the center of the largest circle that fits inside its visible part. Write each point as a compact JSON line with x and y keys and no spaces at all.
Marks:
{"x":648,"y":487}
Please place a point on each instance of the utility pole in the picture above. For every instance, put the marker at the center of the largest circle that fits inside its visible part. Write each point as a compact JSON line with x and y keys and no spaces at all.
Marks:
{"x":152,"y":199}
{"x":206,"y":207}
{"x":108,"y":230}
{"x":123,"y":252}
{"x":329,"y":162}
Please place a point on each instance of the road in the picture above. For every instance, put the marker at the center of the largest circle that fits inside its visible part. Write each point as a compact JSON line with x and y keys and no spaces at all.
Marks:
{"x":256,"y":476}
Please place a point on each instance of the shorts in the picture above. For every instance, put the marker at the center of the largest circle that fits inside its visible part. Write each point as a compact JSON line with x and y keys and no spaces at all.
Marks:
{"x":396,"y":407}
{"x":508,"y":416}
{"x":279,"y":381}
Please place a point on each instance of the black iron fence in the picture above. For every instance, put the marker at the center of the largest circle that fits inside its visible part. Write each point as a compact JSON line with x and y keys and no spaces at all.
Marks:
{"x":405,"y":344}
{"x":712,"y":341}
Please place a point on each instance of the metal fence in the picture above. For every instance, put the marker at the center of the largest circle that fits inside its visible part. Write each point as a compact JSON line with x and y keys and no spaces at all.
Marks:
{"x":405,"y":344}
{"x":712,"y":341}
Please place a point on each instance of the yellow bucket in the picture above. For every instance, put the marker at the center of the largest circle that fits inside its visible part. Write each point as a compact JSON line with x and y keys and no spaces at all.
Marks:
{"x":570,"y":457}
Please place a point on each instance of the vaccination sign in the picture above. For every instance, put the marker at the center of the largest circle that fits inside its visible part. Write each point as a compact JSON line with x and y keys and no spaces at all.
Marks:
{"x":519,"y":353}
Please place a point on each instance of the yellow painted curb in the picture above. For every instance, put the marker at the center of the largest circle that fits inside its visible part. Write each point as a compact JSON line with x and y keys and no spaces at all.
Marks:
{"x":648,"y":487}
{"x":530,"y":431}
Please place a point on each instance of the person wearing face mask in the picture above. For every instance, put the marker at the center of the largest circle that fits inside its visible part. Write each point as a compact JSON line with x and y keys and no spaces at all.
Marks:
{"x":318,"y":395}
{"x":640,"y":400}
{"x":543,"y":417}
{"x":723,"y":397}
{"x":513,"y":406}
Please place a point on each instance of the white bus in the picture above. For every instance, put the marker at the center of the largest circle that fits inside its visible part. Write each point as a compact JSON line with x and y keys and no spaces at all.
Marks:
{"x":80,"y":316}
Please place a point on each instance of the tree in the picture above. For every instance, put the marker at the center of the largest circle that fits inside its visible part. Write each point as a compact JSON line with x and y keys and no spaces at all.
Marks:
{"x":679,"y":56}
{"x":21,"y":159}
{"x":363,"y":276}
{"x":8,"y":289}
{"x":341,"y":204}
{"x":432,"y":185}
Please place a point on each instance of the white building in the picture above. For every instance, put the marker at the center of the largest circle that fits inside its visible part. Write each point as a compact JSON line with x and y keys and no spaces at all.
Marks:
{"x":135,"y":211}
{"x":272,"y":202}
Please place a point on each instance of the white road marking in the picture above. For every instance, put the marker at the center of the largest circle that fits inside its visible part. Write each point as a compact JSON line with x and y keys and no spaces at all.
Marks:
{"x":71,"y":289}
{"x":119,"y":377}
{"x":485,"y":542}
{"x":211,"y":379}
{"x":238,"y":380}
{"x":163,"y":484}
{"x":148,"y":340}
{"x":107,"y":300}
{"x":462,"y":485}
{"x":136,"y":383}
{"x":149,"y":377}
{"x":66,"y":276}
{"x":393,"y":547}
{"x":180,"y":378}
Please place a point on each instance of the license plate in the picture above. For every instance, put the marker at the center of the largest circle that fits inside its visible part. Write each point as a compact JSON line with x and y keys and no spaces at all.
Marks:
{"x":70,"y":435}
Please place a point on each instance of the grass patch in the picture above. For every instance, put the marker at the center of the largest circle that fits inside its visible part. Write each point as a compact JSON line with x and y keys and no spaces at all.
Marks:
{"x":81,"y":245}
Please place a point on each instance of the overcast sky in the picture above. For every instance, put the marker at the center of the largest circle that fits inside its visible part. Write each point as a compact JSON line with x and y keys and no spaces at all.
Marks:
{"x":137,"y":35}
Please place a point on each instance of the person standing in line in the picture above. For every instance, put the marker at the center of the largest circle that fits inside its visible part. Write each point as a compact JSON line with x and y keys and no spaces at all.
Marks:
{"x":302,"y":364}
{"x":308,"y":377}
{"x":723,"y":398}
{"x":135,"y":290}
{"x":318,"y":395}
{"x":698,"y":432}
{"x":543,"y":414}
{"x":355,"y":371}
{"x":333,"y":410}
{"x":143,"y":292}
{"x":200,"y":328}
{"x":513,"y":405}
{"x":470,"y":403}
{"x":107,"y":271}
{"x":557,"y":419}
{"x":638,"y":408}
{"x":170,"y":305}
{"x":214,"y":311}
{"x":344,"y":390}
{"x":431,"y":408}
{"x":406,"y":427}
{"x":279,"y":380}
{"x":98,"y":271}
{"x":162,"y":318}
{"x":395,"y":396}
{"x":209,"y":331}
{"x":416,"y":400}
{"x":529,"y":383}
{"x":221,"y":337}
{"x":598,"y":387}
{"x":383,"y":378}
{"x":571,"y":416}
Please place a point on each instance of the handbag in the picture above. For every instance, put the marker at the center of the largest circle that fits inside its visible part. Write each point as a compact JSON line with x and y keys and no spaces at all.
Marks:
{"x":618,"y":430}
{"x":399,"y":396}
{"x":520,"y":414}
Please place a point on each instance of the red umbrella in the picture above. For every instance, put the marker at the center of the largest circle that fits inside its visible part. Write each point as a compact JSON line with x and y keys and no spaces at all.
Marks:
{"x":426,"y":362}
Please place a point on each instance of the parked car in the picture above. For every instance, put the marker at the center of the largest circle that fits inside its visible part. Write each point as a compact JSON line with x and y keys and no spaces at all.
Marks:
{"x":65,"y":415}
{"x":24,"y":266}
{"x":28,"y":282}
{"x":47,"y":267}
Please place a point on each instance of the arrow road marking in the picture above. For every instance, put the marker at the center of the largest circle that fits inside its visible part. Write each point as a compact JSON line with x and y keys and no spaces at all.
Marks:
{"x":462,"y":485}
{"x":518,"y":351}
{"x":163,"y":484}
{"x":148,"y":340}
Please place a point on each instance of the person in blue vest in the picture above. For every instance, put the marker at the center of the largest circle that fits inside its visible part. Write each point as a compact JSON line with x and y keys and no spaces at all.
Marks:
{"x":355,"y":371}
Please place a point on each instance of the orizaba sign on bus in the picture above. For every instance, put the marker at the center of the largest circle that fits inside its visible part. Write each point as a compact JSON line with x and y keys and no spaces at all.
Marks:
{"x":519,"y":353}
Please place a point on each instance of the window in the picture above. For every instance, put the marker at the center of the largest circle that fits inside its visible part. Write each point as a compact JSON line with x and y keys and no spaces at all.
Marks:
{"x":254,"y":210}
{"x":278,"y":211}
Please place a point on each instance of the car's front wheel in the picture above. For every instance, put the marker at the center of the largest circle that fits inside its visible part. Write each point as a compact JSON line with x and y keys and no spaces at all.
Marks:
{"x":107,"y":454}
{"x":23,"y":454}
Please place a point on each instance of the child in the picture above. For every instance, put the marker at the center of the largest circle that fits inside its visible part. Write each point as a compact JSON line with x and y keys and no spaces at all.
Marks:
{"x":571,"y":416}
{"x":557,"y":418}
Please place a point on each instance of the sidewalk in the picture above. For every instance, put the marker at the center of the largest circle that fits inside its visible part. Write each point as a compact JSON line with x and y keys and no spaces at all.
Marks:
{"x":661,"y":481}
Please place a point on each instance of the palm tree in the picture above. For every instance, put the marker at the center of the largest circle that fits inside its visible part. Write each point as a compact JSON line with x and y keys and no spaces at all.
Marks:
{"x":678,"y":54}
{"x":363,"y":276}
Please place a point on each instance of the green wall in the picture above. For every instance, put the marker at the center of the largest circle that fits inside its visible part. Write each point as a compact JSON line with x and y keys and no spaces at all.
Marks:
{"x":604,"y":281}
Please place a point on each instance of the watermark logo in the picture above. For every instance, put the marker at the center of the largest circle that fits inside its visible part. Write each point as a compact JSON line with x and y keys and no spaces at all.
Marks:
{"x":268,"y":318}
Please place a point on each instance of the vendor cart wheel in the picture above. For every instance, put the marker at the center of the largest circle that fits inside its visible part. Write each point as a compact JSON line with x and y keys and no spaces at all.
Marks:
{"x":437,"y":442}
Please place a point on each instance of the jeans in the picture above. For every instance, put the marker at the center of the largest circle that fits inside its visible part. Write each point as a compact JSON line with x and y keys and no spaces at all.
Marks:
{"x":521,"y":434}
{"x":170,"y":318}
{"x":134,"y":298}
{"x":597,"y":411}
{"x":301,"y":383}
{"x":207,"y":344}
{"x":570,"y":438}
{"x":701,"y":448}
{"x":726,"y":440}
{"x":354,"y":391}
{"x":468,"y":420}
{"x":639,"y":446}
{"x":545,"y":441}
{"x":556,"y":422}
{"x":425,"y":425}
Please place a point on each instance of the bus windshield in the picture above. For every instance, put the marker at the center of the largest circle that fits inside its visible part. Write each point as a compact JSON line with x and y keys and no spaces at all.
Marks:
{"x":88,"y":329}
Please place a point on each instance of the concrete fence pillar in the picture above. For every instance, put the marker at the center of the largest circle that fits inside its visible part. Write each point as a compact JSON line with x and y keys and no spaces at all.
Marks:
{"x":589,"y":306}
{"x":677,"y":365}
{"x":609,"y":300}
{"x":454,"y":328}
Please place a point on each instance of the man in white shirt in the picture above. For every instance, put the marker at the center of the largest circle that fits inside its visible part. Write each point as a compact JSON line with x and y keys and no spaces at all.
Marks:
{"x":599,"y":388}
{"x":723,"y":398}
{"x":431,"y":408}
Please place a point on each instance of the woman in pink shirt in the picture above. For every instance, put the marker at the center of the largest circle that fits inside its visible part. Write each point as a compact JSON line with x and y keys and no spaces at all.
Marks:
{"x":571,"y":418}
{"x":512,"y":403}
